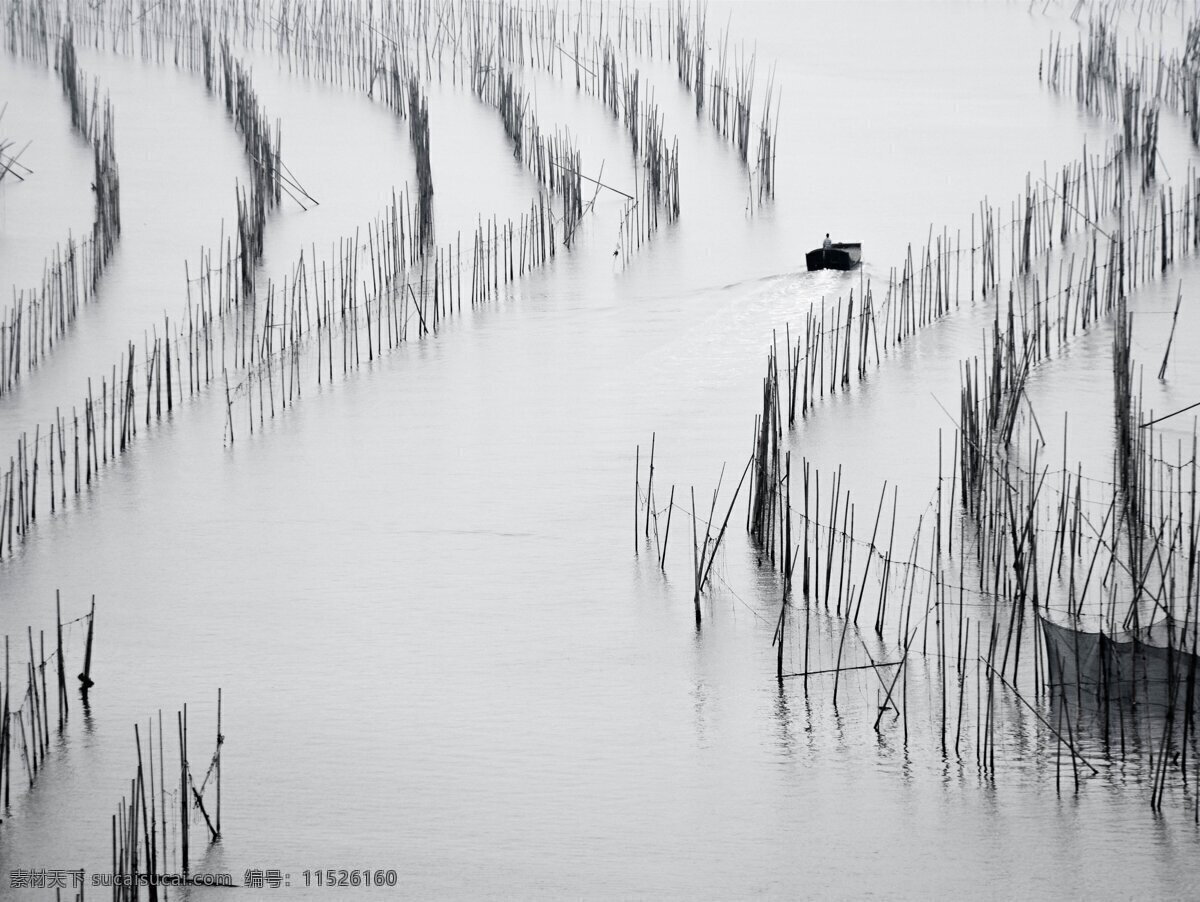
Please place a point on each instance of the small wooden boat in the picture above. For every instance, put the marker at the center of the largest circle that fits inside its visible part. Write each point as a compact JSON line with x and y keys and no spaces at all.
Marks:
{"x":839,"y":255}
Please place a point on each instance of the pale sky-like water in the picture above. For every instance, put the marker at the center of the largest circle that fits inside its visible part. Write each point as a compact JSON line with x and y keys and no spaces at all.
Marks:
{"x":416,"y":586}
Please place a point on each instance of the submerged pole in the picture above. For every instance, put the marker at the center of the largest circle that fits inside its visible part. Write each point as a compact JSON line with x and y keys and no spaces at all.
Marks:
{"x":85,"y":678}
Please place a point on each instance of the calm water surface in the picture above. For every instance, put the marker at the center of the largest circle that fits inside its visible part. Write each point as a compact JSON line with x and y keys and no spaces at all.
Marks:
{"x":417,"y":586}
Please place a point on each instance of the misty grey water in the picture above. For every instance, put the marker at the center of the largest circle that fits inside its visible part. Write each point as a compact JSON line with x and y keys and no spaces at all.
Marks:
{"x":417,"y":587}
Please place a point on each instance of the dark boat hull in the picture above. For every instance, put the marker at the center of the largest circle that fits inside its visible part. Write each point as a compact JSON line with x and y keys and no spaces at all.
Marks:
{"x":838,"y":256}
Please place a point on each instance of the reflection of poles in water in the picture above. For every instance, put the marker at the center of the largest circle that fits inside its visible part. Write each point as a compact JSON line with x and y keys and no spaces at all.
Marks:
{"x":321,"y":300}
{"x":40,"y":317}
{"x":1004,"y":505}
{"x":1147,"y":674}
{"x":1004,"y":502}
{"x":26,"y":718}
{"x":142,"y":851}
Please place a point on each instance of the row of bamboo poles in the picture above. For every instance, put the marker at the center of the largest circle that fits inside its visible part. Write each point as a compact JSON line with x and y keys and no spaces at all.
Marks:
{"x":923,"y":614}
{"x":109,"y":425}
{"x":110,"y":422}
{"x":28,"y":32}
{"x":729,"y":97}
{"x":1030,"y":206}
{"x":658,"y":190}
{"x":399,"y":86}
{"x":1031,"y":549}
{"x":1001,"y":500}
{"x":418,"y":121}
{"x":262,"y":152}
{"x":621,"y":93}
{"x":1130,"y":94}
{"x":843,"y":339}
{"x":152,"y":842}
{"x":351,"y":322}
{"x":1124,"y":628}
{"x":348,"y":309}
{"x":41,"y":317}
{"x":1128,"y":86}
{"x":75,"y":449}
{"x":555,"y":161}
{"x":106,"y":225}
{"x":487,"y":42}
{"x":344,"y":42}
{"x":931,"y":608}
{"x":26,"y":732}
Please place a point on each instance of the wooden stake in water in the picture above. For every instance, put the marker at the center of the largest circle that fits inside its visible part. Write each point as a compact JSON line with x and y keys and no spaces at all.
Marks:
{"x":183,"y":787}
{"x":695,"y":559}
{"x":662,"y":563}
{"x":85,"y":678}
{"x":220,"y":743}
{"x":62,"y":676}
{"x":1162,"y":370}
{"x":649,"y":487}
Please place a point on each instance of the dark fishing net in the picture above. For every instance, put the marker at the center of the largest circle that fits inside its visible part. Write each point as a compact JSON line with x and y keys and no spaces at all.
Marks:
{"x":1154,"y":667}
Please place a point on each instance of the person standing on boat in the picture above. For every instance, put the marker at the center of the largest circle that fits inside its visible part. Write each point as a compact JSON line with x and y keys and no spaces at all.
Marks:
{"x":828,"y":244}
